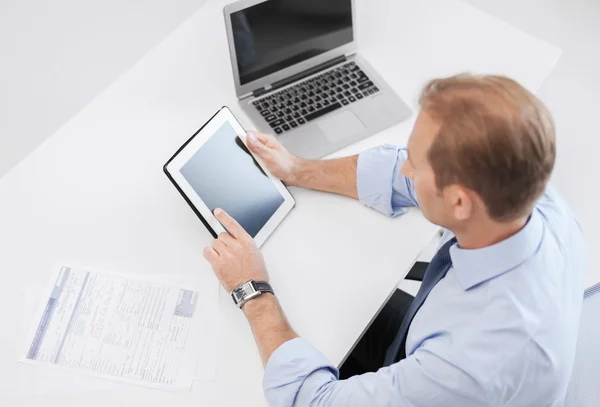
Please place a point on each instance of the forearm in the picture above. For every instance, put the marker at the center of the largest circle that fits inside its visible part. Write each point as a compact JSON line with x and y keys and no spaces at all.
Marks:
{"x":337,"y":176}
{"x":269,"y":325}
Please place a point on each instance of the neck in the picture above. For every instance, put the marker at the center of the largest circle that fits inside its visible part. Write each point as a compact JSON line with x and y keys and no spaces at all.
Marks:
{"x":488,"y":232}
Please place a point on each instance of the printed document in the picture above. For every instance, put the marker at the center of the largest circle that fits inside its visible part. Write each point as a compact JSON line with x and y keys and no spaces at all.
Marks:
{"x":119,"y":328}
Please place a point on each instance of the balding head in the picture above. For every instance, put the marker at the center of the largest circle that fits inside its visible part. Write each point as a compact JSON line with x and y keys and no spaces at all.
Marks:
{"x":494,"y":137}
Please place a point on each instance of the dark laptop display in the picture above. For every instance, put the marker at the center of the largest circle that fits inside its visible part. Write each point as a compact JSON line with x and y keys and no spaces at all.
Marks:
{"x":276,"y":34}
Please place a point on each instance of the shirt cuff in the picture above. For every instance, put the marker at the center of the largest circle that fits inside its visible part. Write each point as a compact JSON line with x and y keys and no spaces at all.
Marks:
{"x":375,"y":176}
{"x":289,"y":366}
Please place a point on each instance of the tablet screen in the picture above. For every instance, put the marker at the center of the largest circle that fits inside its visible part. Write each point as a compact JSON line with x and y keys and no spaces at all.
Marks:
{"x":224,"y":174}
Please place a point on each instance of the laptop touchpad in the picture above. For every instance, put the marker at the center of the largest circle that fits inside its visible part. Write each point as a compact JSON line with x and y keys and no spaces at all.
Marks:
{"x":340,"y":126}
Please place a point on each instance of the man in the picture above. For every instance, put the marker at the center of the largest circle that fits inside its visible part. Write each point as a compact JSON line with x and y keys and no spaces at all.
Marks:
{"x":496,"y":319}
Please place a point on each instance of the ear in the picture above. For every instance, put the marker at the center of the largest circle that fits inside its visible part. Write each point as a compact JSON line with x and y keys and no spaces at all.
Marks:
{"x":461,"y":202}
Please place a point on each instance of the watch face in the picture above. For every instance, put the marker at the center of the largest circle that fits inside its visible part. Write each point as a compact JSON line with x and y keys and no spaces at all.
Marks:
{"x":243,"y":292}
{"x":247,"y":289}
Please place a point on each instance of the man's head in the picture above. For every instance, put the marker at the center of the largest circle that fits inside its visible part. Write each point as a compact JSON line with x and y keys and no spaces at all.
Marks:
{"x":483,"y":147}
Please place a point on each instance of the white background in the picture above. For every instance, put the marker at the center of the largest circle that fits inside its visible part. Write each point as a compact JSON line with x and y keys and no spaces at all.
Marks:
{"x":57,"y":56}
{"x":94,"y":215}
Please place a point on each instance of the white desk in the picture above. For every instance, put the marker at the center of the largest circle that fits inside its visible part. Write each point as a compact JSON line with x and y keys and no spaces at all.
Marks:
{"x":84,"y":199}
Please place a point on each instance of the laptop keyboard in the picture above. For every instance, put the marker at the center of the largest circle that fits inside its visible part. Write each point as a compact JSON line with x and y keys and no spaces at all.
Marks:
{"x":294,"y":106}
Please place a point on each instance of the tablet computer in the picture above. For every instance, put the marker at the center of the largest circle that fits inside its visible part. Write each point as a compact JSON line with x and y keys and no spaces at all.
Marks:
{"x":215,"y":169}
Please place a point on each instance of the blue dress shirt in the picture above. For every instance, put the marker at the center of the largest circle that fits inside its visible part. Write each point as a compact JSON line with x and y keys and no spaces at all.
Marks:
{"x":499,"y":330}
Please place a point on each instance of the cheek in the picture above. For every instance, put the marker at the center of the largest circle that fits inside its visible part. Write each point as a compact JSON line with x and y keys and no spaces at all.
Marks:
{"x":426,"y":193}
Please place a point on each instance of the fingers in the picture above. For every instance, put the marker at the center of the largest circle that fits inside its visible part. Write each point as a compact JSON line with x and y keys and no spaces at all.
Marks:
{"x":260,"y":142}
{"x":254,"y":144}
{"x":227,"y":239}
{"x":210,"y":254}
{"x":219,"y":247}
{"x":267,"y":139}
{"x":230,"y":224}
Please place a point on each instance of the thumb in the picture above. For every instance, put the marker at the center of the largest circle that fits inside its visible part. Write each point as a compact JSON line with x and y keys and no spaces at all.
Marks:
{"x":255,"y":144}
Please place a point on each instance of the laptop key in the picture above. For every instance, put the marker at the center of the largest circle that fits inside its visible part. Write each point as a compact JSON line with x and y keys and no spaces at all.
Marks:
{"x":326,"y":103}
{"x":256,"y":102}
{"x":285,"y":127}
{"x":288,"y":118}
{"x":311,"y":109}
{"x":278,"y":130}
{"x":303,"y":112}
{"x":259,"y":107}
{"x":294,"y":124}
{"x":359,"y":96}
{"x":265,"y":112}
{"x":277,"y":123}
{"x":321,"y":112}
{"x":270,"y":118}
{"x":365,"y":85}
{"x":366,"y":93}
{"x":301,"y":121}
{"x":288,"y":111}
{"x":280,"y":114}
{"x":340,"y":97}
{"x":318,"y":106}
{"x":352,"y":99}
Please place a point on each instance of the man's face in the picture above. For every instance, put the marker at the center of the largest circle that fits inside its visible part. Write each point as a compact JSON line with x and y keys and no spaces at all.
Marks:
{"x":417,"y":167}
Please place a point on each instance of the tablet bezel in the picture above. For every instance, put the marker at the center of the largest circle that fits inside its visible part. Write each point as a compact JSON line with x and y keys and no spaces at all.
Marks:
{"x":173,"y":171}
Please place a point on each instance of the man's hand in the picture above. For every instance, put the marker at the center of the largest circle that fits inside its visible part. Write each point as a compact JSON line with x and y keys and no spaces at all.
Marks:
{"x":337,"y":176}
{"x":275,"y":157}
{"x":234,"y":256}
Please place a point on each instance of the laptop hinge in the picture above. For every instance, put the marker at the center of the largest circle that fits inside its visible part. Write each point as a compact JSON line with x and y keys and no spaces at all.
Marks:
{"x":298,"y":76}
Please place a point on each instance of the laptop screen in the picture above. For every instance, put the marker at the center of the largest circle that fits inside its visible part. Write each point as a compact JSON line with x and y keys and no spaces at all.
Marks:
{"x":276,"y":34}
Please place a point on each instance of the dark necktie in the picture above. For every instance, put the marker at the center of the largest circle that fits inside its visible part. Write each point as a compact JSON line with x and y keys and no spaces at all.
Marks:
{"x":437,"y":269}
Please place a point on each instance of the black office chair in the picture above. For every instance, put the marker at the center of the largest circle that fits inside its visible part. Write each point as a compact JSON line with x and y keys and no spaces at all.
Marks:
{"x":584,"y":387}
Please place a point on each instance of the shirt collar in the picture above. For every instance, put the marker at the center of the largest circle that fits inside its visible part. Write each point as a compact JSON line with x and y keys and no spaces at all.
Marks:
{"x":472,"y":267}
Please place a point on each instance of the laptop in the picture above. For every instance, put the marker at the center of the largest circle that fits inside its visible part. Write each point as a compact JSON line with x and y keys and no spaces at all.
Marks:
{"x":298,"y":76}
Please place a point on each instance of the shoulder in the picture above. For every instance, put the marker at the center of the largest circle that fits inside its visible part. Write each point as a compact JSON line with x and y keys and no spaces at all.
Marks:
{"x":558,"y":217}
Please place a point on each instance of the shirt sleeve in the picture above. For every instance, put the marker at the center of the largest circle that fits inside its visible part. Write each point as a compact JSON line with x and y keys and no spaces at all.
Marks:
{"x":297,"y":375}
{"x":380,"y":183}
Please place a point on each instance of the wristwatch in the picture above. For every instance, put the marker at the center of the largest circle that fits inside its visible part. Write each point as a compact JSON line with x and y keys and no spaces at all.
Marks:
{"x":248,"y":290}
